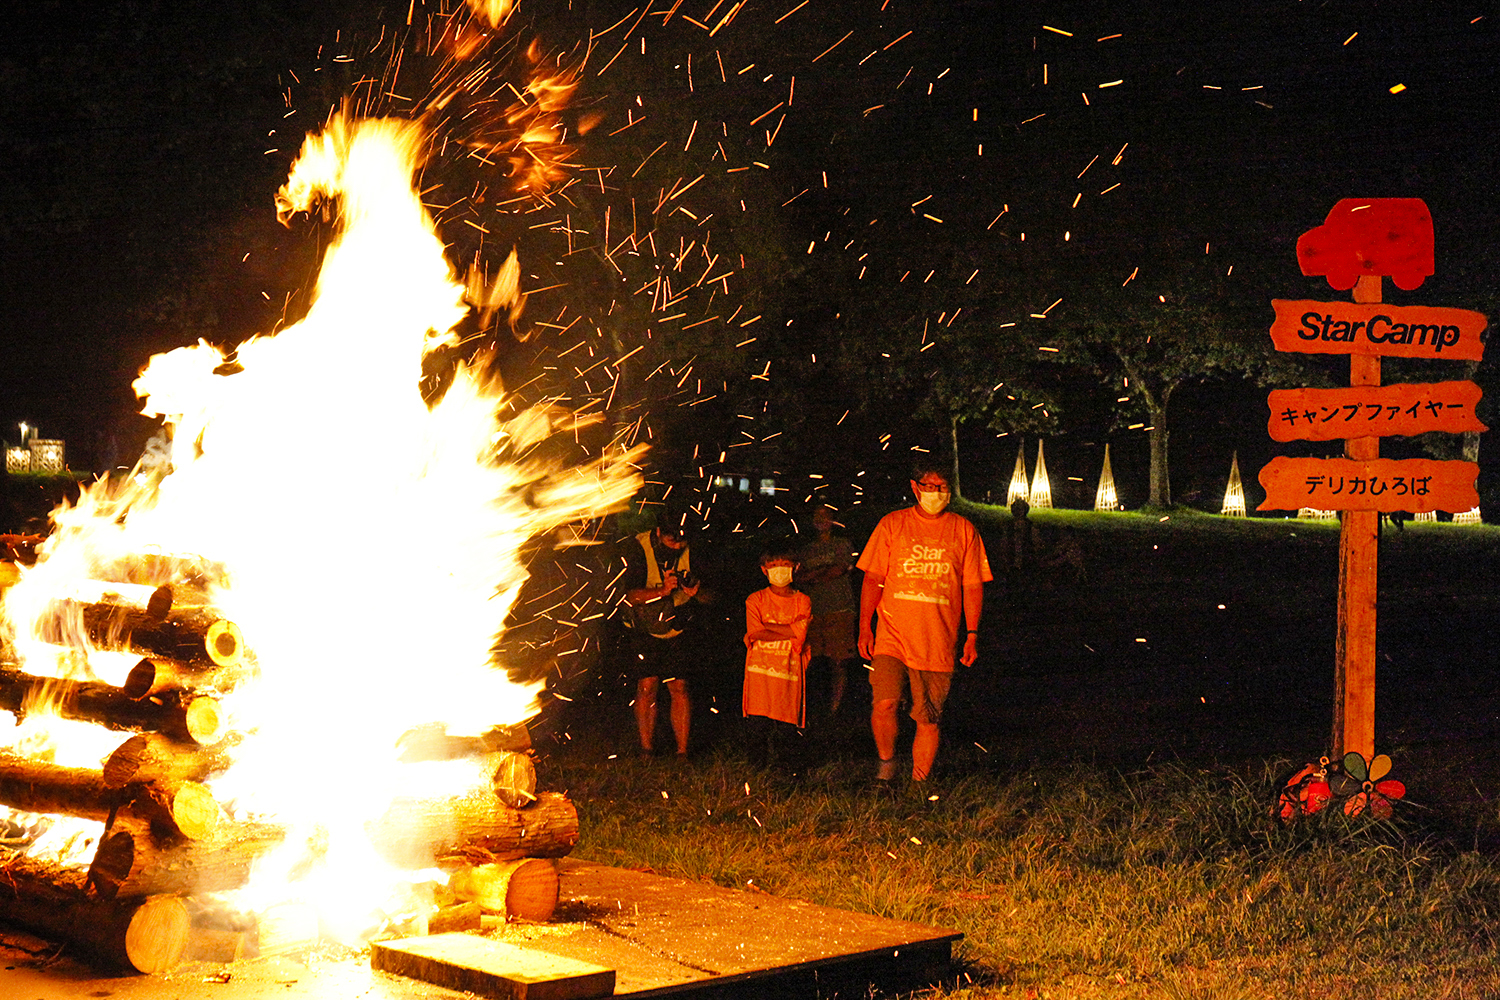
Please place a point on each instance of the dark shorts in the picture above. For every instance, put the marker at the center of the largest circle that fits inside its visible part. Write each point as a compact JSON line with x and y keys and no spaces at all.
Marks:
{"x":834,"y":636}
{"x":667,"y":659}
{"x":929,"y":688}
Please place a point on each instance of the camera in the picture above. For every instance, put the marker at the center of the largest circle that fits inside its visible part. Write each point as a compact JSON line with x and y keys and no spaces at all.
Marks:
{"x":687,"y":579}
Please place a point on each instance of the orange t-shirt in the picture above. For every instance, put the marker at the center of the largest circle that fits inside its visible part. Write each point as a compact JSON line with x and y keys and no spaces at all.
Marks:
{"x":925,"y":562}
{"x":775,"y":670}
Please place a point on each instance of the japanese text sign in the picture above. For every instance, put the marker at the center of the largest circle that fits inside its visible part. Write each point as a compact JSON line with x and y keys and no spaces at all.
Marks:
{"x":1373,"y":411}
{"x":1383,"y":484}
{"x":1310,"y":327}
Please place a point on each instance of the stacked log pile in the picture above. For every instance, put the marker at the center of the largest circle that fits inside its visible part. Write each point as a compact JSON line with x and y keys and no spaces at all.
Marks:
{"x":166,"y":841}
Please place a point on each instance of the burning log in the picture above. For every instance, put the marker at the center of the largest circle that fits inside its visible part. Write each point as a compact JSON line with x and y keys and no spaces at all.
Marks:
{"x":414,"y":832}
{"x":132,"y":861}
{"x":523,"y":889}
{"x":433,"y":742}
{"x":148,"y":935}
{"x":34,"y":786}
{"x":155,"y":676}
{"x":178,"y":713}
{"x":194,"y":636}
{"x":154,"y":758}
{"x":513,"y":776}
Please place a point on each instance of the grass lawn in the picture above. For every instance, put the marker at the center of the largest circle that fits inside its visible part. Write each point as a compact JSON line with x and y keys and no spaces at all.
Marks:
{"x":1103,"y":825}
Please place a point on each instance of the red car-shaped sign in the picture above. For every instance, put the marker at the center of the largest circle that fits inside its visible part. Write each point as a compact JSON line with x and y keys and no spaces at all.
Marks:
{"x":1370,"y":236}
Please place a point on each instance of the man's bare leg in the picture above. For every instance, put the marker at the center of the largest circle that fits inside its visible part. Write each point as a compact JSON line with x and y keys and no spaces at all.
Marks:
{"x":883,"y":728}
{"x":681,"y":712}
{"x":645,"y":710}
{"x":924,"y":747}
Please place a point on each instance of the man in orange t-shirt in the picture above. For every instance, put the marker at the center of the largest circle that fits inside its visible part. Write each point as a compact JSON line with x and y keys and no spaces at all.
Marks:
{"x":924,"y":567}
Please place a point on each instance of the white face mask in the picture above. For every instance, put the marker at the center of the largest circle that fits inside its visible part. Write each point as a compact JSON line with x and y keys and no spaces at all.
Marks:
{"x":779,"y":576}
{"x":932,"y":503}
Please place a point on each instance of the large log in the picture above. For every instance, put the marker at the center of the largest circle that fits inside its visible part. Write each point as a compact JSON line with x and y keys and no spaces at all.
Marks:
{"x":183,"y":714}
{"x":147,"y":935}
{"x":188,"y":809}
{"x":415,"y":833}
{"x":523,"y":889}
{"x":194,"y":636}
{"x":157,"y":676}
{"x":433,"y":742}
{"x":157,"y":759}
{"x":133,"y":861}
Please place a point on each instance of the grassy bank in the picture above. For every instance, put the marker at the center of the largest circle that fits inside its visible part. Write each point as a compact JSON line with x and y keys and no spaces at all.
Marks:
{"x":1077,"y":881}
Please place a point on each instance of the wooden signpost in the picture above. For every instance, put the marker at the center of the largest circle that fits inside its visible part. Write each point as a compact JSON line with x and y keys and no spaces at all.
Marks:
{"x":1363,"y":241}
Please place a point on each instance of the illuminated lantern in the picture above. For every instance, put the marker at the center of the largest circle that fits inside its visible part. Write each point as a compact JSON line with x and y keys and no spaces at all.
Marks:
{"x":1468,"y":517}
{"x":1234,"y":496}
{"x":1018,"y":487}
{"x":1041,"y":487}
{"x":46,"y":456}
{"x":1314,"y":514}
{"x":1105,"y":497}
{"x":17,"y":459}
{"x":1425,"y":515}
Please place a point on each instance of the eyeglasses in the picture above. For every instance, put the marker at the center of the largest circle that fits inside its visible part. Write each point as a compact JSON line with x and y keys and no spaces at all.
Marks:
{"x":933,"y":487}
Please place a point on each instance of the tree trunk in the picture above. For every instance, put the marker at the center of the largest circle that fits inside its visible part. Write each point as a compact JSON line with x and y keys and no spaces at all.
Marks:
{"x":416,"y":833}
{"x":953,"y":443}
{"x":195,"y":636}
{"x":1471,"y":446}
{"x":131,"y":861}
{"x":182,"y":714}
{"x":147,"y":935}
{"x":187,"y":808}
{"x":1161,"y":481}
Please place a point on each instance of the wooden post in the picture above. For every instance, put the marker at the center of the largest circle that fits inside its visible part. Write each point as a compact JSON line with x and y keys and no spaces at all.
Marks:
{"x":1354,"y":650}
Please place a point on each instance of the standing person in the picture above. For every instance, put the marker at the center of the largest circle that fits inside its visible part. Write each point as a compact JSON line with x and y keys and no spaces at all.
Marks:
{"x":776,"y":656}
{"x":660,"y":582}
{"x":924,"y":566}
{"x":824,"y":575}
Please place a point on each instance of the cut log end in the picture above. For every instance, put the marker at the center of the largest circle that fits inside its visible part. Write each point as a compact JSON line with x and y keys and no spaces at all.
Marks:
{"x":157,"y":935}
{"x":202,"y":721}
{"x":514,"y":779}
{"x":225,"y":644}
{"x":194,"y":811}
{"x":523,"y":889}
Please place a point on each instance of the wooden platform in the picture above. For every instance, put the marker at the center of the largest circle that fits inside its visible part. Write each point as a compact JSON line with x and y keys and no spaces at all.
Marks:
{"x":661,"y":936}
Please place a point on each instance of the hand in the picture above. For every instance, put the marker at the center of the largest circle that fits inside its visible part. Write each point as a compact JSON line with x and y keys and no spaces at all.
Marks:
{"x":971,"y":650}
{"x":668,"y":583}
{"x":692,"y":591}
{"x":866,"y":643}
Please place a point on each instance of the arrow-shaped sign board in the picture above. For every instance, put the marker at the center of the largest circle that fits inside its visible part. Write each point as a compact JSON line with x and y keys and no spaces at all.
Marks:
{"x":1383,"y":484}
{"x":1373,"y":411}
{"x":1309,"y":327}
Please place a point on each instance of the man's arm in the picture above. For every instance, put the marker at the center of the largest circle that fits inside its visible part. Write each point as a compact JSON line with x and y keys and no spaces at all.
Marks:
{"x":973,"y":605}
{"x":869,"y":597}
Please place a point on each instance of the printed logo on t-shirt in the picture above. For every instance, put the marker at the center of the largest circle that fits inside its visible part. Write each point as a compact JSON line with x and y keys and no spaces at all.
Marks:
{"x":925,"y":575}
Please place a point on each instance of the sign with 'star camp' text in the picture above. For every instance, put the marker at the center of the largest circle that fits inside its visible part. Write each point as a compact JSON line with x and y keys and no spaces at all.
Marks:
{"x":1373,"y":411}
{"x":1383,"y":484}
{"x":1310,"y":327}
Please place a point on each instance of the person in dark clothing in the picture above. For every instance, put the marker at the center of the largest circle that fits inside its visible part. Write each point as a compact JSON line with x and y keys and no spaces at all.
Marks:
{"x":660,"y":583}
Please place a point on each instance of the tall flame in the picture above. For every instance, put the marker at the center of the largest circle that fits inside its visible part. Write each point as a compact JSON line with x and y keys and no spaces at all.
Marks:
{"x":372,"y":600}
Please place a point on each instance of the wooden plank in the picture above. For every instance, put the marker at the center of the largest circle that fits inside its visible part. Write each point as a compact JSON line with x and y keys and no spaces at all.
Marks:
{"x":491,"y":968}
{"x":1382,"y":484}
{"x":1305,"y":326}
{"x":1404,"y":409}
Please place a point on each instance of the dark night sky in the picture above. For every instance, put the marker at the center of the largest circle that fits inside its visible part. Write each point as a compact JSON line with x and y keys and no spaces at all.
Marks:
{"x":136,"y":178}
